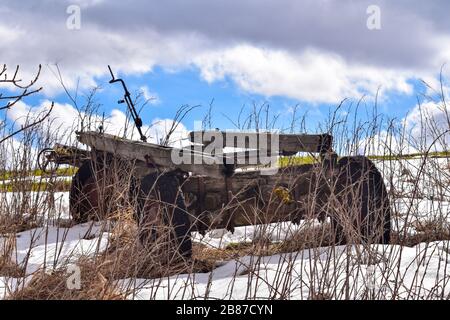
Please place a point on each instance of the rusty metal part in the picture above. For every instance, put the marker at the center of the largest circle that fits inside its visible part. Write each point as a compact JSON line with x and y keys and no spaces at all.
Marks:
{"x":44,"y":159}
{"x":62,"y":154}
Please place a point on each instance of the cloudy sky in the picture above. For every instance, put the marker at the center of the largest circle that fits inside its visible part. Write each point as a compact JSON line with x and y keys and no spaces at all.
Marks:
{"x":310,"y":53}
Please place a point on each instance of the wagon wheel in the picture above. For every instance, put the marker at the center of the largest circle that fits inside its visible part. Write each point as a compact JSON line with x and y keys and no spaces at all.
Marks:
{"x":44,"y":162}
{"x":363,"y":202}
{"x":83,"y":196}
{"x":88,"y":187}
{"x":162,"y":216}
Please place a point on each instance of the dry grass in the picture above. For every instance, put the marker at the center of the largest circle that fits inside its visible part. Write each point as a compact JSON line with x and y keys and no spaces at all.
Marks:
{"x":16,"y":224}
{"x":305,"y":238}
{"x":421,"y":237}
{"x":320,"y":296}
{"x":426,"y":231}
{"x":53,"y":286}
{"x":8,"y":268}
{"x":125,"y":256}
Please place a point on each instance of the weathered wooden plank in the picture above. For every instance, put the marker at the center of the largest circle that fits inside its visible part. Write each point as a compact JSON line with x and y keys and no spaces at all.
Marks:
{"x":244,"y":179}
{"x":287,"y":143}
{"x":164,"y":157}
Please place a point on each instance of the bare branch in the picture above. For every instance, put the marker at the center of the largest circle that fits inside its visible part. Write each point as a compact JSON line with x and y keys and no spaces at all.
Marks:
{"x":28,"y":125}
{"x":26,"y":90}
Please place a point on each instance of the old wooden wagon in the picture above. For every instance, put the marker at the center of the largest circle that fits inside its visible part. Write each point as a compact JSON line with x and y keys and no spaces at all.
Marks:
{"x":199,"y":188}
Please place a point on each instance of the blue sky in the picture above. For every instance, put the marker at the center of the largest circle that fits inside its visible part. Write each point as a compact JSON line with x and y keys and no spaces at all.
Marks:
{"x":171,"y":89}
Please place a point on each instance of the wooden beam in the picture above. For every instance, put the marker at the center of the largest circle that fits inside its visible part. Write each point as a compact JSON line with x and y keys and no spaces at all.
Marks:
{"x":287,"y":143}
{"x":155,"y":155}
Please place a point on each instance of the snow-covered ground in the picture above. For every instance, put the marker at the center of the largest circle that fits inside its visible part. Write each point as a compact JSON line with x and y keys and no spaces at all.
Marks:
{"x":50,"y":247}
{"x":36,"y":179}
{"x":325,"y":271}
{"x":339,"y":272}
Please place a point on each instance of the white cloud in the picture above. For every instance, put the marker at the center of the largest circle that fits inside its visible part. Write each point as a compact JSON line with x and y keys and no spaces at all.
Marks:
{"x":10,"y":34}
{"x":386,"y":143}
{"x":427,"y":124}
{"x":61,"y":123}
{"x":83,"y":55}
{"x":312,"y":75}
{"x":13,"y":152}
{"x":151,"y":97}
{"x":85,"y":3}
{"x":313,"y":51}
{"x":425,"y":128}
{"x":161,"y":127}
